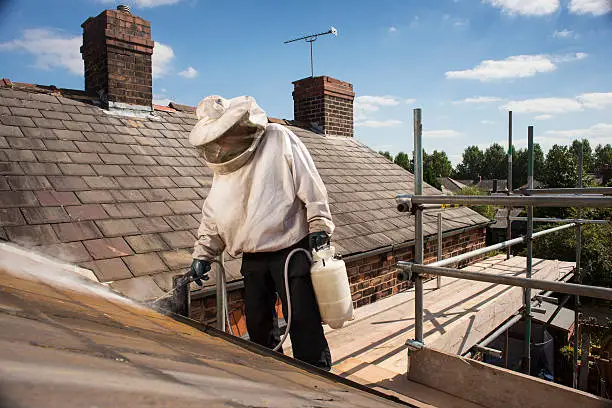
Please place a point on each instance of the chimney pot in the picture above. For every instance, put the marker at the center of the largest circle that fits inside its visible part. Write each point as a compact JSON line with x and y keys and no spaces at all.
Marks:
{"x":124,"y":8}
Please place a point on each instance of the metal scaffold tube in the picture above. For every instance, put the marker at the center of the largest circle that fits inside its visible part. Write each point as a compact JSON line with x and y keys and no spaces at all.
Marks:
{"x":562,"y":220}
{"x":494,"y":247}
{"x":529,"y":239}
{"x":554,"y":286}
{"x":509,"y":186}
{"x":409,"y":201}
{"x":578,"y":277}
{"x":418,"y":250}
{"x":569,"y":191}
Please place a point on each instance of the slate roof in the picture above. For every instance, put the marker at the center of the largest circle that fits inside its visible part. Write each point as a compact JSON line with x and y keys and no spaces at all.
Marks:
{"x":122,"y":196}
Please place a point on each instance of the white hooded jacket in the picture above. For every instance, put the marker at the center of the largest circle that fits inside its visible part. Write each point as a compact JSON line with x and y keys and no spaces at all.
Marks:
{"x":269,"y":203}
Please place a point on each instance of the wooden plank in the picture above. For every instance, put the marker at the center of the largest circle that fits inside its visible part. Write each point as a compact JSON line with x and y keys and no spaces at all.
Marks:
{"x":493,"y":387}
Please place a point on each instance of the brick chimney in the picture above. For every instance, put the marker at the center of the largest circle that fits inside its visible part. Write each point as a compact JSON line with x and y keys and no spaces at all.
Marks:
{"x":117,"y":50}
{"x":326,"y":102}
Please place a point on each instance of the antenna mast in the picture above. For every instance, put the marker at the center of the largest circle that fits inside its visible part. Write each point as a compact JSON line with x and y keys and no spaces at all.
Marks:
{"x":310,"y":39}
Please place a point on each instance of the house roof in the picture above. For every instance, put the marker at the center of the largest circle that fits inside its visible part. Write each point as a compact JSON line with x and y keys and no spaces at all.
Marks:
{"x":486,"y":185}
{"x":69,"y":342}
{"x":122,"y":195}
{"x":450,"y":184}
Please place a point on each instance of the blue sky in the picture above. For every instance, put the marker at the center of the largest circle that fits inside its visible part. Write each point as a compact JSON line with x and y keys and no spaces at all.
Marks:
{"x":465,"y":62}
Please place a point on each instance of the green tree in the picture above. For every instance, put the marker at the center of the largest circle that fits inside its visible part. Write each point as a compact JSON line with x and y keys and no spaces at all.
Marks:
{"x":603,"y":157}
{"x":402,"y":160}
{"x":495,"y":162}
{"x":560,"y":168}
{"x":386,"y":154}
{"x":471,"y":165}
{"x":519,"y":165}
{"x":439,"y":164}
{"x":587,"y":154}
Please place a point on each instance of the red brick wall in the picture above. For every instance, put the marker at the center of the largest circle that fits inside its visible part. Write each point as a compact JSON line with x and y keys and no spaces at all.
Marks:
{"x":371,"y":278}
{"x":326,"y":101}
{"x":117,"y":49}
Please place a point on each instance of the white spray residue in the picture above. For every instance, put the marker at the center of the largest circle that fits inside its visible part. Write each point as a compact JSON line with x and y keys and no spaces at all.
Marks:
{"x":34,"y":266}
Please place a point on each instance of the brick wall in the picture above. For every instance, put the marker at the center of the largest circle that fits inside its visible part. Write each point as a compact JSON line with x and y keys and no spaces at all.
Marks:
{"x":325,"y":101}
{"x":117,"y":50}
{"x":371,"y":278}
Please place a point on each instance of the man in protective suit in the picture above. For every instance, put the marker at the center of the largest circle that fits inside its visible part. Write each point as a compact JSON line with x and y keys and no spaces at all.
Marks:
{"x":267,"y":199}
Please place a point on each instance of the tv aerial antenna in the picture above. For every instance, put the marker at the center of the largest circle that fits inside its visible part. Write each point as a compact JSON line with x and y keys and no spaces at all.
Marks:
{"x":312,"y":38}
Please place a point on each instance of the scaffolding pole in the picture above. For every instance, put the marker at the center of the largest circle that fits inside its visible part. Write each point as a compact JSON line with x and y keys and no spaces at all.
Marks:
{"x":529,"y":239}
{"x":418,"y":228}
{"x":408,"y":202}
{"x":562,"y":220}
{"x":494,"y":247}
{"x":509,"y":186}
{"x":570,"y":191}
{"x":597,"y":292}
{"x":578,"y":276}
{"x":439,"y":278}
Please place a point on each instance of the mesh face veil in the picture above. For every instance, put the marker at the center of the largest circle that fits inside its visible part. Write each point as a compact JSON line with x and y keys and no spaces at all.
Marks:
{"x":232,"y":144}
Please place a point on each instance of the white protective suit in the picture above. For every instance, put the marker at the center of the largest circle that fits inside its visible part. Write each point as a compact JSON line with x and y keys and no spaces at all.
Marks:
{"x":268,"y":195}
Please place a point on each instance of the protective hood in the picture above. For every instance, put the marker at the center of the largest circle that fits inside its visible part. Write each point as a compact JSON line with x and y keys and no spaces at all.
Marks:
{"x":228,"y":131}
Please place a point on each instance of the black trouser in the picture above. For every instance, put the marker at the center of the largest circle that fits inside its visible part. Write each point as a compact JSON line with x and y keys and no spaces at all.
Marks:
{"x":263,"y":278}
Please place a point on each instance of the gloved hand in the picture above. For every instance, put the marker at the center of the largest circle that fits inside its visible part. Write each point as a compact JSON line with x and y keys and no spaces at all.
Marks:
{"x":199,"y":271}
{"x":317,"y":240}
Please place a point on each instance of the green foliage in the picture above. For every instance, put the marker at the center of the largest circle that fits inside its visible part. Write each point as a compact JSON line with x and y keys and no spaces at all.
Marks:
{"x":472,"y":164}
{"x":386,"y":154}
{"x":402,"y":160}
{"x":603,"y":157}
{"x":484,"y":210}
{"x":560,"y":168}
{"x":438,"y":163}
{"x":520,"y":160}
{"x":596,"y":258}
{"x":495,"y":163}
{"x":587,"y":153}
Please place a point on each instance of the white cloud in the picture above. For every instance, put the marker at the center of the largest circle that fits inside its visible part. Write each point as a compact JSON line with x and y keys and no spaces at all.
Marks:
{"x":443,"y":133}
{"x":392,"y":29}
{"x":526,"y":7}
{"x":461,"y":22}
{"x":409,"y":101}
{"x":378,"y":123}
{"x":565,"y":34}
{"x":518,"y":66}
{"x":487,"y":122}
{"x":593,"y":100}
{"x":479,"y":99}
{"x":594,"y":7}
{"x":543,"y":117}
{"x":601,"y":131}
{"x":190,"y":73}
{"x":369,"y":102}
{"x":162,"y":59}
{"x":544,"y":105}
{"x":50,"y":49}
{"x":596,"y":100}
